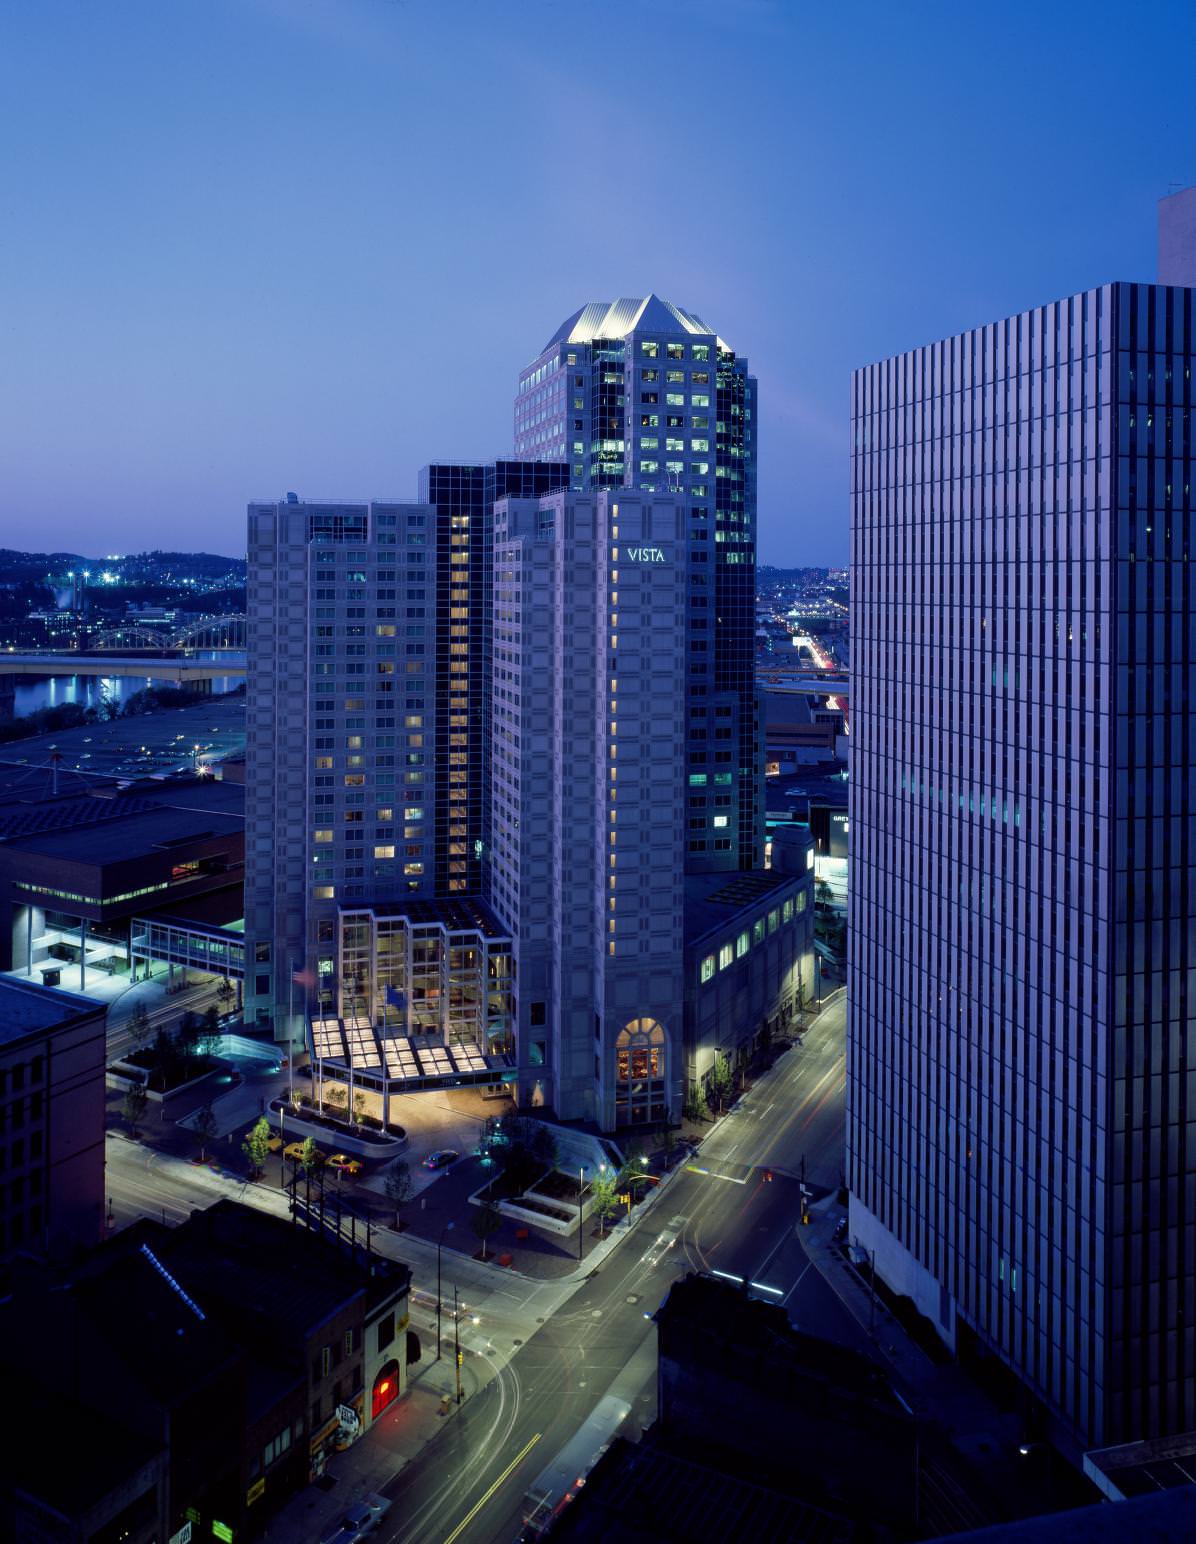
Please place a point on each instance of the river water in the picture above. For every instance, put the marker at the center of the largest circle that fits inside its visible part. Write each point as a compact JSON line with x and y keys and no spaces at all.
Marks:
{"x":34,"y":692}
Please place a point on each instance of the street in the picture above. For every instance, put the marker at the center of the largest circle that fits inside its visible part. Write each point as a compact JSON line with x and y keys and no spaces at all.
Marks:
{"x":542,"y":1353}
{"x":469,"y":1486}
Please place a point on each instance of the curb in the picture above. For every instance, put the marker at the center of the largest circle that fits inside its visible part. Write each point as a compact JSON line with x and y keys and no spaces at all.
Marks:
{"x":591,"y":1263}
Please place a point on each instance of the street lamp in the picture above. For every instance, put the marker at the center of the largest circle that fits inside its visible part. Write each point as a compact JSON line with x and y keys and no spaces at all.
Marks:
{"x":439,"y":1243}
{"x":581,"y":1210}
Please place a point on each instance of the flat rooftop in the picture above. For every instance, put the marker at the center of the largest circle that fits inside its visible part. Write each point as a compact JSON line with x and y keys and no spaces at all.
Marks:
{"x":26,"y":1007}
{"x":136,"y":833}
{"x":713,"y":901}
{"x":1143,"y":1468}
{"x":29,"y":805}
{"x":161,"y":741}
{"x":821,"y":783}
{"x":456,"y":914}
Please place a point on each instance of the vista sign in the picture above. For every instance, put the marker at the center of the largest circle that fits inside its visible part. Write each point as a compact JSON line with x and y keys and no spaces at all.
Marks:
{"x":645,"y":554}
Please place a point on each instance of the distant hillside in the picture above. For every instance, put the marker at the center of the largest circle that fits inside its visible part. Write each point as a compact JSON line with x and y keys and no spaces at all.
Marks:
{"x":16,"y":566}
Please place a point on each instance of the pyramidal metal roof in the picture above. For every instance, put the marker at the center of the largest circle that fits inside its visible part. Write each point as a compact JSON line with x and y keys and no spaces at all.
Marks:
{"x":617,"y":318}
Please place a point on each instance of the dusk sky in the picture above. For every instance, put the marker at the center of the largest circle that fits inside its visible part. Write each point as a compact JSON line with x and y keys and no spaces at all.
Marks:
{"x":249,"y":246}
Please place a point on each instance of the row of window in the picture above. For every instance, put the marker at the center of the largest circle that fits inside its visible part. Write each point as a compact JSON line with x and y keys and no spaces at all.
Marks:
{"x":650,"y":349}
{"x":729,"y":952}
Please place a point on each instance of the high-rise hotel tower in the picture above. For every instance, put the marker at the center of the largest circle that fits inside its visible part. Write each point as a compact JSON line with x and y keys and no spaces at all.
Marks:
{"x":504,"y":784}
{"x":641,"y":394}
{"x":1022,"y":980}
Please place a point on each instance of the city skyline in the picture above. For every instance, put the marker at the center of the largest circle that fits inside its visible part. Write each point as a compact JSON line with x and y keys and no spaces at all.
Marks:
{"x":217,"y":243}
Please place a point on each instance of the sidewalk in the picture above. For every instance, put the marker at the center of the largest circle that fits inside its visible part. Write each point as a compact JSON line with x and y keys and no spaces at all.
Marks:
{"x":942,"y":1394}
{"x":395,"y":1440}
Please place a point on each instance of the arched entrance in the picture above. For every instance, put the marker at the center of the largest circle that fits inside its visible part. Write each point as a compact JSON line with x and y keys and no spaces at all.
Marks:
{"x":641,"y":1067}
{"x":386,"y":1388}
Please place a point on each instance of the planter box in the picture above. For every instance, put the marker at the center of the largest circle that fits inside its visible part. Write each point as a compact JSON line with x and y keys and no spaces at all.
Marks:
{"x":378,"y":1149}
{"x":126,"y":1075}
{"x":563,"y":1226}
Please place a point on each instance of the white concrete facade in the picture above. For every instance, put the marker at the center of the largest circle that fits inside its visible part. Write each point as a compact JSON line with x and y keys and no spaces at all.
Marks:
{"x":588,"y":777}
{"x":340,"y":736}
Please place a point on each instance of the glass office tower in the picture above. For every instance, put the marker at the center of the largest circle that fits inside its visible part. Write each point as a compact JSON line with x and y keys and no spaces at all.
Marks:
{"x":641,"y":394}
{"x":1021,"y":1072}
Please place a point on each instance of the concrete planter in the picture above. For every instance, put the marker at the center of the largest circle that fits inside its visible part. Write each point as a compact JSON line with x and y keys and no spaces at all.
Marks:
{"x":292,"y":1127}
{"x":526,"y":1216}
{"x":123,"y":1075}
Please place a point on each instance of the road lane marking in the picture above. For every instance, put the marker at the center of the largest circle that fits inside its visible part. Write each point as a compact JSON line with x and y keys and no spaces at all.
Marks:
{"x":772,"y":1254}
{"x":798,"y":1282}
{"x":505,"y":1475}
{"x":694,"y":1168}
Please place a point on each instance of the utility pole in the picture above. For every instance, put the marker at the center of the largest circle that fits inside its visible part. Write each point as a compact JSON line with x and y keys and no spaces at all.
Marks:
{"x":439,"y":1299}
{"x":457,"y":1342}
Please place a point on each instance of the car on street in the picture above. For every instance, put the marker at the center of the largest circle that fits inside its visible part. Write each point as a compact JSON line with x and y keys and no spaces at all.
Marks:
{"x":274,"y":1141}
{"x":294,"y":1151}
{"x":358,"y":1521}
{"x":656,"y":1252}
{"x":341,"y":1163}
{"x":441,"y":1158}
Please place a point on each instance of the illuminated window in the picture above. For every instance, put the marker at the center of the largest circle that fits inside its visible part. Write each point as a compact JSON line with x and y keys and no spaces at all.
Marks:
{"x":640,"y":1062}
{"x":386,"y":850}
{"x":324,"y":892}
{"x":707,"y":968}
{"x":742,"y":944}
{"x":725,"y":956}
{"x":649,"y":349}
{"x":701,"y":351}
{"x":323,"y":834}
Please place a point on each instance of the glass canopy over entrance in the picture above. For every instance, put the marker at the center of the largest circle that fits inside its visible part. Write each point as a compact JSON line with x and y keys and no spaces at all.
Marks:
{"x":423,"y":993}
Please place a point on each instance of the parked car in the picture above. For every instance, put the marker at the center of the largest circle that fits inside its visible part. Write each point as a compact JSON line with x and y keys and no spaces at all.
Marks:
{"x":274,"y":1142}
{"x":359,"y":1520}
{"x":343,"y":1164}
{"x":294,"y":1151}
{"x":441,"y":1158}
